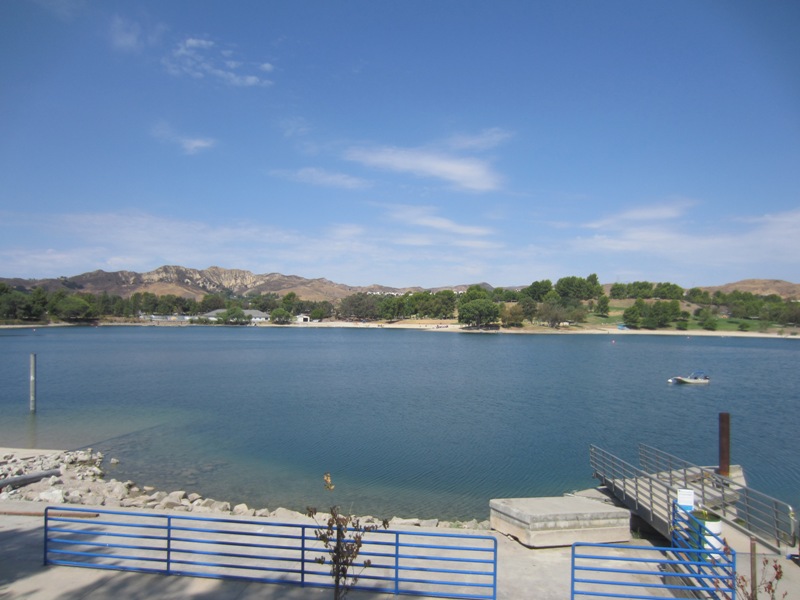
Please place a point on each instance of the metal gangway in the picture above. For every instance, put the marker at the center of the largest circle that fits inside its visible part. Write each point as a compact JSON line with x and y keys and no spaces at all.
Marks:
{"x":651,"y":489}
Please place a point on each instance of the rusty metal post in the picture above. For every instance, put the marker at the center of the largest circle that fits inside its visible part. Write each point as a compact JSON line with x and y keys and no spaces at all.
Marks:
{"x":724,"y":444}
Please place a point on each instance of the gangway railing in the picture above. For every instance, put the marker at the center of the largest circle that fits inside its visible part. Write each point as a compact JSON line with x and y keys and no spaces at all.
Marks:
{"x":404,"y":562}
{"x":772,"y":521}
{"x":647,"y":495}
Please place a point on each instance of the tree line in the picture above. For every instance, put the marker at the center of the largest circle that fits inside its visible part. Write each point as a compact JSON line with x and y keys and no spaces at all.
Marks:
{"x":570,"y":299}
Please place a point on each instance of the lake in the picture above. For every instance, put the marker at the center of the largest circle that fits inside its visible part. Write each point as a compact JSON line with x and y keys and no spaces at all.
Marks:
{"x":409,"y":423}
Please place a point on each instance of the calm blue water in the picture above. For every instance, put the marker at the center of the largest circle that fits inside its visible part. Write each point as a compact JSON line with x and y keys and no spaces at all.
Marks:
{"x":410,"y":423}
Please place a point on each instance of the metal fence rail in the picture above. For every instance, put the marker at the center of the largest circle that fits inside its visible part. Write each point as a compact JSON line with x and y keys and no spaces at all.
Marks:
{"x":697,"y":565}
{"x":416,"y":563}
{"x":770,"y":520}
{"x":649,"y":496}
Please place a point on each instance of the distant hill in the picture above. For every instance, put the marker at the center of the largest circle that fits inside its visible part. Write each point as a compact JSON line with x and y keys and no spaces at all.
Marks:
{"x":760,"y":287}
{"x":194,"y":283}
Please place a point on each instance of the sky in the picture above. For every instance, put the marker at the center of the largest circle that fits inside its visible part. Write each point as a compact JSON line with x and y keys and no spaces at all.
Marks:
{"x":415,"y":143}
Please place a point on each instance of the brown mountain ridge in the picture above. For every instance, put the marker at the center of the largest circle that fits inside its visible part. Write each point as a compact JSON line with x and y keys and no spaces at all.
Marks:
{"x":195,"y":283}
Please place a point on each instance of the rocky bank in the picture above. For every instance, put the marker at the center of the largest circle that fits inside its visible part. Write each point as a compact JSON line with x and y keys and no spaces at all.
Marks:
{"x":77,"y":477}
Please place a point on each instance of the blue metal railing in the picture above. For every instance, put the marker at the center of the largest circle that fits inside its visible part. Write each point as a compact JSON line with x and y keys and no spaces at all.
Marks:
{"x":417,"y":563}
{"x":698,"y":562}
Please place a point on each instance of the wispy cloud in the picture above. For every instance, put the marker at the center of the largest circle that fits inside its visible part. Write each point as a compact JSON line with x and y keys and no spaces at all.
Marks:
{"x":656,"y":213}
{"x":466,"y":173}
{"x":664,"y":233}
{"x":201,"y":58}
{"x":424,"y":216}
{"x":131,"y":36}
{"x":190,"y":145}
{"x":65,"y":10}
{"x":485,"y":140}
{"x":322,"y":177}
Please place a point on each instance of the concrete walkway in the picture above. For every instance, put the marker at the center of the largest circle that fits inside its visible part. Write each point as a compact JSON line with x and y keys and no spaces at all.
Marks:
{"x":543,"y":574}
{"x":522,"y":573}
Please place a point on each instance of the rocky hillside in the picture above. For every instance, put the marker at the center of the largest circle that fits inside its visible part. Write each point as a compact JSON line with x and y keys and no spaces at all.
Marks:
{"x":182,"y":281}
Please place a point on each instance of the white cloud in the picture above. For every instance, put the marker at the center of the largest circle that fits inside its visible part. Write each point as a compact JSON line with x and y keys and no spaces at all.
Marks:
{"x":470,"y":174}
{"x":200,"y":58}
{"x":486,"y":139}
{"x":667,"y":211}
{"x":294,"y":127}
{"x":423,"y":216}
{"x":190,"y":145}
{"x":131,"y":36}
{"x":758,"y":244}
{"x":322,"y":177}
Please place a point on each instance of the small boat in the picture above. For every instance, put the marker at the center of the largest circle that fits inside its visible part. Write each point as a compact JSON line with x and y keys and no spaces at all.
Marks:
{"x":694,"y":377}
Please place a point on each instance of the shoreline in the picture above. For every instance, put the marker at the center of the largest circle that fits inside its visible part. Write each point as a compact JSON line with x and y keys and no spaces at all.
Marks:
{"x":444,"y":325}
{"x":81,"y":482}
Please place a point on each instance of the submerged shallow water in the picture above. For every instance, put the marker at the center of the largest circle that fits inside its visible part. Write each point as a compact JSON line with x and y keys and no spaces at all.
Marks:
{"x":409,"y":423}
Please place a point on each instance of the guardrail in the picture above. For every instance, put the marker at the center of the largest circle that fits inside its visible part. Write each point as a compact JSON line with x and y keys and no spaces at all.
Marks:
{"x":770,"y":520}
{"x":697,"y":565}
{"x":445,"y":565}
{"x":650,"y":497}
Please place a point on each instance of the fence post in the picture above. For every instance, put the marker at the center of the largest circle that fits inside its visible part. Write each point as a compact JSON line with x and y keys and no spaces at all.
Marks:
{"x":46,"y":535}
{"x":169,"y":545}
{"x":396,"y":563}
{"x":303,"y":556}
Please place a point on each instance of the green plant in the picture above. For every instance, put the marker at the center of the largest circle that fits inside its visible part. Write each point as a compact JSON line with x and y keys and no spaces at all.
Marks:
{"x":342,"y":536}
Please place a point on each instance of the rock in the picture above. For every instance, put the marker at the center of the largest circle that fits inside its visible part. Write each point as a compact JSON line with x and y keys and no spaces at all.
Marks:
{"x":116,"y":490}
{"x":287,"y":515}
{"x":429,"y":523}
{"x":176,"y":496}
{"x":114,"y":461}
{"x":398,"y":522}
{"x":53,"y":496}
{"x":262,"y":512}
{"x":243,"y":510}
{"x":193,"y":497}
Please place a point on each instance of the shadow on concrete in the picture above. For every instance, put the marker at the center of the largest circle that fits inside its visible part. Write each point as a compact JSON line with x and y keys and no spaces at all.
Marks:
{"x":21,"y":554}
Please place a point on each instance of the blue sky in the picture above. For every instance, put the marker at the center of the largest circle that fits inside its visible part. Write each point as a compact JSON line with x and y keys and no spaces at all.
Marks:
{"x":402,"y":143}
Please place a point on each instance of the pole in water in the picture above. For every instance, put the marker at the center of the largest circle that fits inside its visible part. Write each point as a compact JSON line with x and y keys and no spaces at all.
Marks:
{"x":724,"y":444}
{"x":33,"y":383}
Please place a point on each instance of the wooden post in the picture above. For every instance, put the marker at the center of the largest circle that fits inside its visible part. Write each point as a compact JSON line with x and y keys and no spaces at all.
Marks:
{"x":33,"y":383}
{"x":725,"y":444}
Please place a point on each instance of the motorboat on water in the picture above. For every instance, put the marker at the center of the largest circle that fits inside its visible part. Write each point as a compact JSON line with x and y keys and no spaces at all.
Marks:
{"x":695,"y":377}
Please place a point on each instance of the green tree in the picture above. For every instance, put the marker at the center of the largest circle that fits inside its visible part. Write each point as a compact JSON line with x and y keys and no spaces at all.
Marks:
{"x":537,"y":290}
{"x":73,"y":308}
{"x":632,"y":316}
{"x":619,"y":291}
{"x":478,"y":313}
{"x":211,"y":302}
{"x":280,"y":316}
{"x":512,"y":315}
{"x":528,"y":306}
{"x":361,"y":306}
{"x":602,"y":307}
{"x":706,"y":319}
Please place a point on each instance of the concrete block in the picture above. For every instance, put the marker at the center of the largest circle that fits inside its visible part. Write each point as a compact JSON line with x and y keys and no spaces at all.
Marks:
{"x":559,"y":521}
